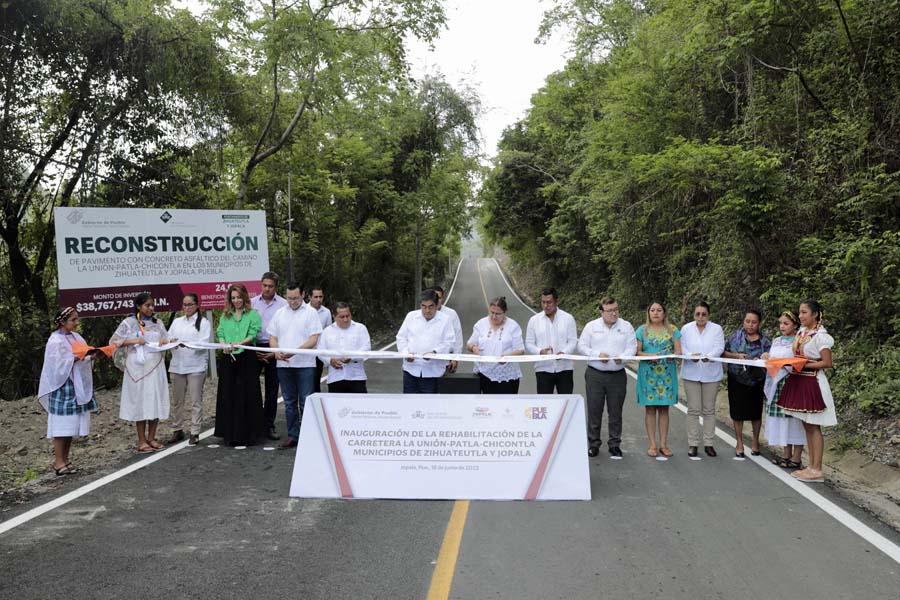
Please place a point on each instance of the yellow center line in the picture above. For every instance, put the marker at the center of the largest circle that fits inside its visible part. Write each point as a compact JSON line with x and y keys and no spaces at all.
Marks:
{"x":446,"y":561}
{"x":445,"y":567}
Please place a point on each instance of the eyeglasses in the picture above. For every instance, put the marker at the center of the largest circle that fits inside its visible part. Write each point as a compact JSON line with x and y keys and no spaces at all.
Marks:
{"x":611,"y":310}
{"x":497,"y":314}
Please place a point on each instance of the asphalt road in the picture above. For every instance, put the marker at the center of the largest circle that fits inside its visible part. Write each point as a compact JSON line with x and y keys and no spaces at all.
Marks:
{"x":217,"y":522}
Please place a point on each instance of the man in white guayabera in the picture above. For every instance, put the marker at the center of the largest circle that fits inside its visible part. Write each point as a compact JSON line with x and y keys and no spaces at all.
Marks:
{"x":604,"y":379}
{"x":425,"y":331}
{"x":295,"y":326}
{"x":346,"y":375}
{"x":552,"y":331}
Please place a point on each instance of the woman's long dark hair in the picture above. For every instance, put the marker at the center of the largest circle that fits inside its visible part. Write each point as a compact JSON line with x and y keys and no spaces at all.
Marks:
{"x":139,"y":300}
{"x":197,"y":302}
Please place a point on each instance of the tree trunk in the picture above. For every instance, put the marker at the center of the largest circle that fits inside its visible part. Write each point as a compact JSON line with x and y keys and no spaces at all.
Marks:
{"x":417,"y":284}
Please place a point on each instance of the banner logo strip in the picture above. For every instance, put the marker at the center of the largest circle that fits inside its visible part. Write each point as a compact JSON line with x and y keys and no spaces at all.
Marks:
{"x":343,"y":481}
{"x":541,"y":471}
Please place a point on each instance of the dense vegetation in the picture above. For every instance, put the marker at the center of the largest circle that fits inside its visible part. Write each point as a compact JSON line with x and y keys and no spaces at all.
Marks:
{"x":746,"y":153}
{"x":138,"y":103}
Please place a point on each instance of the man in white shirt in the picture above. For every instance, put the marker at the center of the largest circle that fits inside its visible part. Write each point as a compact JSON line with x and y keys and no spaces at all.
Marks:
{"x":425,"y":331}
{"x":345,"y":375}
{"x":267,"y":304}
{"x":605,"y":380}
{"x":294,"y":326}
{"x":457,"y":326}
{"x":316,"y":298}
{"x":552,"y":331}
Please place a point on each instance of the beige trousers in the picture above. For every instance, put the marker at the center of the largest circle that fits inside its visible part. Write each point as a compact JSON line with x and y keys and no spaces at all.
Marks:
{"x":181,"y":383}
{"x":701,"y":400}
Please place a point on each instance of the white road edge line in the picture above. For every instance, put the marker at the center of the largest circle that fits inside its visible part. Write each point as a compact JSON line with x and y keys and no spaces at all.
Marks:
{"x":107,"y":479}
{"x":843,"y":517}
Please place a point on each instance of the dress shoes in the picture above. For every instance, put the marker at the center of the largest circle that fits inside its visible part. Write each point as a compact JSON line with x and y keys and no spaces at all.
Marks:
{"x":593,"y":451}
{"x":288,"y":443}
{"x":692,"y":451}
{"x":194,"y":439}
{"x":176,"y":437}
{"x":615,"y":453}
{"x":272,"y":435}
{"x":710,"y":451}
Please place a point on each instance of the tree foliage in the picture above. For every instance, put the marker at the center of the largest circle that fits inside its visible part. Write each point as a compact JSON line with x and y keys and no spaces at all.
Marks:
{"x":136,"y":103}
{"x":747,"y":153}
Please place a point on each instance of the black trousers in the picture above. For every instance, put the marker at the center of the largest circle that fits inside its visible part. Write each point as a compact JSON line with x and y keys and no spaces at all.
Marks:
{"x":348,"y":387}
{"x":562,"y":381}
{"x":498,"y":387}
{"x":269,"y":370}
{"x":319,"y":367}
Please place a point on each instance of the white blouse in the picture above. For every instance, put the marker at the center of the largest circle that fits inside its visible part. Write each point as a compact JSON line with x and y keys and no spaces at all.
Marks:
{"x":711,"y":342}
{"x":505,"y":340}
{"x":188,"y":360}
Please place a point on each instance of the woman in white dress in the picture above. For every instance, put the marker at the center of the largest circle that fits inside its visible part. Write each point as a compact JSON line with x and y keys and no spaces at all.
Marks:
{"x":66,"y":390}
{"x":188,"y":369}
{"x":806,"y":395}
{"x":145,"y":389}
{"x":782,"y":429}
{"x":497,"y":335}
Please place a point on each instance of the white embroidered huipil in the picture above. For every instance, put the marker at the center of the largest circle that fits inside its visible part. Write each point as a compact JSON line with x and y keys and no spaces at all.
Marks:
{"x":560,"y":335}
{"x":293,"y":328}
{"x":188,"y":360}
{"x":497,"y":342}
{"x":613,"y":340}
{"x":355,"y":338}
{"x":418,"y":336}
{"x":711,"y":342}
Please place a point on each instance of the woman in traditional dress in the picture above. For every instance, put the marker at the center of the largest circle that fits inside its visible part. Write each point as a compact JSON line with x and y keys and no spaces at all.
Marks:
{"x":806,"y":395}
{"x":145,"y":388}
{"x":745,"y":384}
{"x":239,"y":410}
{"x":701,"y":339}
{"x":66,"y":390}
{"x":188,"y":369}
{"x":497,"y":335}
{"x":657,"y":381}
{"x":782,"y":429}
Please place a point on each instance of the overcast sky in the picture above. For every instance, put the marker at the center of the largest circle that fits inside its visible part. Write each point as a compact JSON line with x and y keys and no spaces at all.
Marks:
{"x":490,"y":45}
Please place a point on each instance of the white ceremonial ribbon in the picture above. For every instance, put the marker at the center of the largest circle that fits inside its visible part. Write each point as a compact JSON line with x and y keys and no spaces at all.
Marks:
{"x":473,"y":358}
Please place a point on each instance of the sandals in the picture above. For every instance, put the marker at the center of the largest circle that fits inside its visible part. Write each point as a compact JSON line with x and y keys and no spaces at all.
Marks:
{"x":155,"y":445}
{"x":65,"y":470}
{"x":652,"y":452}
{"x":786,"y":463}
{"x":146,"y":449}
{"x":665,"y":452}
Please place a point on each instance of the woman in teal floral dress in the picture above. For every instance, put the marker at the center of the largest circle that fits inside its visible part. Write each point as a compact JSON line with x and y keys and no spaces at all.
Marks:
{"x":657,"y":381}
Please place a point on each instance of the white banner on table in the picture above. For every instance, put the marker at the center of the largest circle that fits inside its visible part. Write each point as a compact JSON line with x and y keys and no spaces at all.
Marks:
{"x":497,"y":447}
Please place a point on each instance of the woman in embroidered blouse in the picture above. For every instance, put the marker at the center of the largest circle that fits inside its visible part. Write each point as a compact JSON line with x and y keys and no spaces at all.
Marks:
{"x":66,"y":390}
{"x":745,"y":384}
{"x":657,"y":381}
{"x":806,"y":395}
{"x":188,"y":368}
{"x":145,"y":388}
{"x":239,"y":411}
{"x":497,"y":335}
{"x":781,"y":428}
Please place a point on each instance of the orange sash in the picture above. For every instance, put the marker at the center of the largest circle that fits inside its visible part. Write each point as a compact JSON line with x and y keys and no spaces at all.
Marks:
{"x":81,"y":350}
{"x":773,"y":365}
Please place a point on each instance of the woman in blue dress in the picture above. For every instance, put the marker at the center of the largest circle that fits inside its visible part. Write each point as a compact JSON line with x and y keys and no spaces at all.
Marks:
{"x":657,"y":381}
